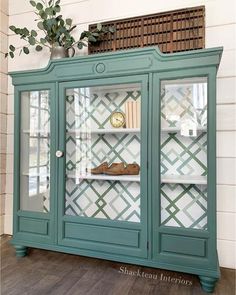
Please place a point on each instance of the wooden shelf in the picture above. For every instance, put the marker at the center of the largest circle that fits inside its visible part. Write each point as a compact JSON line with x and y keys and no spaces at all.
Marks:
{"x":178,"y":129}
{"x":105,"y":131}
{"x":185,"y":179}
{"x":36,"y":131}
{"x":34,"y":174}
{"x":106,"y":177}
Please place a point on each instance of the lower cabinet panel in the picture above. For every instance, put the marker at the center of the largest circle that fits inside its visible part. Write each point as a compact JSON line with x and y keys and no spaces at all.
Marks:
{"x":120,"y":241}
{"x":36,"y":226}
{"x":183,"y":245}
{"x":102,"y":234}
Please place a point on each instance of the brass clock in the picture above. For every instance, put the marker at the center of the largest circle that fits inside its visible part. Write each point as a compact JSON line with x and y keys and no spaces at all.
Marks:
{"x":117,"y":119}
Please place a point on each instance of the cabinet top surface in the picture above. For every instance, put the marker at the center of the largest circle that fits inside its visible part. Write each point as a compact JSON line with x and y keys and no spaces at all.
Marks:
{"x":134,"y":61}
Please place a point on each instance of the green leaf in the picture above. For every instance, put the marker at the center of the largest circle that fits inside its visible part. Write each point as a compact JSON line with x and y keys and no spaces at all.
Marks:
{"x":69,"y":21}
{"x":11,"y":54}
{"x":43,"y":41}
{"x":18,"y":31}
{"x":39,"y":6}
{"x":80,"y":45}
{"x":13,"y":28}
{"x":31,"y":40}
{"x":112,"y":29}
{"x":12,"y":48}
{"x":26,"y":50}
{"x":92,"y":39}
{"x":42,"y":14}
{"x":57,"y":2}
{"x":49,"y":11}
{"x":33,"y":3}
{"x":25,"y":32}
{"x":50,"y":2}
{"x":33,"y":33}
{"x":57,"y":8}
{"x":40,"y":26}
{"x":99,"y":27}
{"x":38,"y":48}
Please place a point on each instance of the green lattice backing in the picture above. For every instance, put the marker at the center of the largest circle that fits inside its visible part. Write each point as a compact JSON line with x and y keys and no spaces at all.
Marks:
{"x":185,"y":102}
{"x":103,"y":199}
{"x":182,"y":155}
{"x":89,"y":110}
{"x":184,"y":205}
{"x":114,"y":200}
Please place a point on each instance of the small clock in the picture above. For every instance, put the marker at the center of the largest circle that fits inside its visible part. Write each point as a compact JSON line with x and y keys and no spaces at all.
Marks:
{"x":117,"y":119}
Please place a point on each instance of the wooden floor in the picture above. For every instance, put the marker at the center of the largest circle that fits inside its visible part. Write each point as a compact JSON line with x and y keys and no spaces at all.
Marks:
{"x":46,"y":272}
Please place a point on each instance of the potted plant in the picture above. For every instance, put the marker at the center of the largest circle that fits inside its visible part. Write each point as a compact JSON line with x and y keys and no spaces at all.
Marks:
{"x":56,"y":32}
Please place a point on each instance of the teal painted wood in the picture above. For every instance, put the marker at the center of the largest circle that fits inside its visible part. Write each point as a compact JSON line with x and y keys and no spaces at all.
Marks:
{"x":21,"y":251}
{"x":136,"y":61}
{"x":33,"y":225}
{"x":144,"y":65}
{"x":208,"y":284}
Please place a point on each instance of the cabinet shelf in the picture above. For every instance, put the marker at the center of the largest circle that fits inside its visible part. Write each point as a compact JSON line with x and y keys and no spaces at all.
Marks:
{"x":36,"y":131}
{"x":106,"y":177}
{"x":127,"y":130}
{"x":184,"y":179}
{"x":105,"y":131}
{"x":178,"y":129}
{"x":35,"y":174}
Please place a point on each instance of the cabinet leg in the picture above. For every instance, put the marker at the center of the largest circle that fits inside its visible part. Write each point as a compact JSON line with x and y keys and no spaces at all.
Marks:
{"x":21,"y":251}
{"x":208,"y":283}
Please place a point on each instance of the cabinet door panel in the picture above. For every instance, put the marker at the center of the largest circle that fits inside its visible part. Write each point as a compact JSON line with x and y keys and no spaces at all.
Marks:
{"x":35,"y":151}
{"x":103,"y":126}
{"x":183,"y":152}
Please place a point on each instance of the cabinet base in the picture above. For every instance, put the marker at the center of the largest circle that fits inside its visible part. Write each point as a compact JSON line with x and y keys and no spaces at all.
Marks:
{"x":21,"y":251}
{"x":208,"y":283}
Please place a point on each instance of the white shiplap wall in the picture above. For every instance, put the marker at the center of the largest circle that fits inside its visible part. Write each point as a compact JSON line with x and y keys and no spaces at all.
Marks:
{"x":220,"y":31}
{"x":3,"y":108}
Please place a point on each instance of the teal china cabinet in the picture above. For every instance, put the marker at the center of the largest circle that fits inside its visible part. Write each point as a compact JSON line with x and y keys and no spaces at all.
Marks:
{"x":163,"y":105}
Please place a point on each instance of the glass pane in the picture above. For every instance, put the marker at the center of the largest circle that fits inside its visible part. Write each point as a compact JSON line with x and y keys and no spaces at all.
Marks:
{"x":184,"y":153}
{"x":35,"y":156}
{"x":103,"y":127}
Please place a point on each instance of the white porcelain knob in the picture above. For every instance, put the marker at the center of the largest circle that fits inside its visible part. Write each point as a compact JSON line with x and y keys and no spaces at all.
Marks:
{"x":59,"y":154}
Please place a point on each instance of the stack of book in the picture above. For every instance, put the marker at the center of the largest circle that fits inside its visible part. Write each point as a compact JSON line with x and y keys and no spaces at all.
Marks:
{"x":132,"y":114}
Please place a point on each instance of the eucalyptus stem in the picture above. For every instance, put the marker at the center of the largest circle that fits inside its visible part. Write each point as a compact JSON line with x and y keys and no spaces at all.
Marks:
{"x":56,"y":30}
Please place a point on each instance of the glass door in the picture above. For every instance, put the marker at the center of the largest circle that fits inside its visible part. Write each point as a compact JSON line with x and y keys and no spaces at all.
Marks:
{"x":181,"y":168}
{"x":35,"y":151}
{"x":34,"y":162}
{"x":104,"y":194}
{"x":184,"y":153}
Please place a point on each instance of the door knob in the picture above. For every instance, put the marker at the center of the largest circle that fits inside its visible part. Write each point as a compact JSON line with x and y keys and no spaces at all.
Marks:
{"x":59,"y":154}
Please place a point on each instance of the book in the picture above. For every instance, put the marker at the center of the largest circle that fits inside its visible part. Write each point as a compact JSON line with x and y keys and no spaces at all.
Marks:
{"x":134,"y":114}
{"x":138,"y":115}
{"x":126,"y":115}
{"x":130,"y":114}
